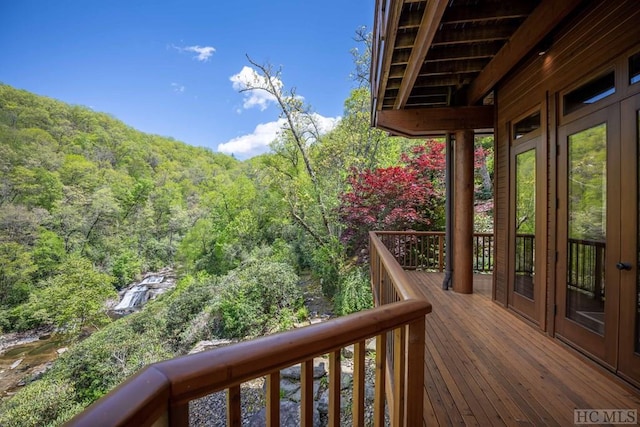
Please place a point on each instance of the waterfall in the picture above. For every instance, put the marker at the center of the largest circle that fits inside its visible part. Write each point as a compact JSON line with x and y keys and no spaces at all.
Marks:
{"x":134,"y":297}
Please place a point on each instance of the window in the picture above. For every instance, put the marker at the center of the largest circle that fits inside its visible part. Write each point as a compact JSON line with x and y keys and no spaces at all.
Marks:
{"x":589,"y":93}
{"x":634,"y":69}
{"x":526,"y":125}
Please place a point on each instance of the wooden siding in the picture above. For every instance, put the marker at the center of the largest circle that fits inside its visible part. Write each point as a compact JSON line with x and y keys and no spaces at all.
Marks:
{"x":577,"y":52}
{"x":501,"y":214}
{"x":485,"y":367}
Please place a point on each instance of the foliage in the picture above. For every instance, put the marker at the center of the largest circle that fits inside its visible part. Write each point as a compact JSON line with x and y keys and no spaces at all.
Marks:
{"x":16,"y":268}
{"x":395,"y":197}
{"x":107,"y":357}
{"x":73,"y":298}
{"x":47,"y":402}
{"x":125,"y":268}
{"x":184,"y":306}
{"x":258,"y":298}
{"x":355,"y":292}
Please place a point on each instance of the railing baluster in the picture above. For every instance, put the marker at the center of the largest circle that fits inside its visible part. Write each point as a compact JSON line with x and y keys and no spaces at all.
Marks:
{"x":440,"y":253}
{"x":334,"y":388}
{"x":399,"y":380}
{"x":273,"y":399}
{"x":381,"y":362}
{"x":179,"y":415}
{"x":306,"y":396}
{"x":359,"y":350}
{"x":234,"y":409}
{"x":415,"y":372}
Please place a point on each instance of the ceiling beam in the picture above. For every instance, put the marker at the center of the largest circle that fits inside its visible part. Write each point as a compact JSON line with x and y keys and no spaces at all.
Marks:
{"x":461,"y":14}
{"x":539,"y":24}
{"x":388,"y":34}
{"x":429,"y":121}
{"x":428,"y":27}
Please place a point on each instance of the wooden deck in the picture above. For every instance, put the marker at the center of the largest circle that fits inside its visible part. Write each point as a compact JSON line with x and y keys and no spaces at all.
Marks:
{"x":485,"y":366}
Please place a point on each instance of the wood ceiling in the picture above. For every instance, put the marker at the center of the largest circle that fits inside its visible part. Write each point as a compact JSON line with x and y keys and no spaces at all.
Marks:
{"x":451,"y":53}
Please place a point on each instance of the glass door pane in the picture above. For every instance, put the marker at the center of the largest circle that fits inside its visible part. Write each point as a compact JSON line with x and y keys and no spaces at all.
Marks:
{"x":525,"y":235}
{"x":587,"y":212}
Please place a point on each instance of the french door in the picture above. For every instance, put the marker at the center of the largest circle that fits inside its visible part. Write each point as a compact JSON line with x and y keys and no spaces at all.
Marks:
{"x":597,"y":269}
{"x":526,"y":284}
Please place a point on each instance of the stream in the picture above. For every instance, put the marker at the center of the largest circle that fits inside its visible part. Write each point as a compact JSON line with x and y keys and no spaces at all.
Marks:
{"x":24,"y":356}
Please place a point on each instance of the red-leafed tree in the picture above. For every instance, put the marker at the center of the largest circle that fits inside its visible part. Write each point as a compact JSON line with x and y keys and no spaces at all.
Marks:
{"x":409,"y":196}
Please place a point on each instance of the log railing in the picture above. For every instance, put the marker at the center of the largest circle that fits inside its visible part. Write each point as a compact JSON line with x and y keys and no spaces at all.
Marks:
{"x":426,"y":250}
{"x":159,"y":395}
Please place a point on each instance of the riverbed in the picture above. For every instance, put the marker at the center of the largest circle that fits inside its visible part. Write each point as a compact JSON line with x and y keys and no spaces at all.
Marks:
{"x":24,"y":355}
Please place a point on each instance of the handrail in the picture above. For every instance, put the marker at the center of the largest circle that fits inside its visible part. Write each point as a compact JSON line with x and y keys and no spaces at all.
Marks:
{"x":402,"y":284}
{"x":159,"y":394}
{"x":390,"y":283}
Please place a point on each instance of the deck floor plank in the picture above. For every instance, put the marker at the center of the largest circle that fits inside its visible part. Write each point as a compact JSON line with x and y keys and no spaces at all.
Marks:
{"x":486,"y":366}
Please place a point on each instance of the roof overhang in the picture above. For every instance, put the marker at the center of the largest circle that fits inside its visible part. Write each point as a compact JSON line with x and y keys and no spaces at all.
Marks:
{"x":438,"y":58}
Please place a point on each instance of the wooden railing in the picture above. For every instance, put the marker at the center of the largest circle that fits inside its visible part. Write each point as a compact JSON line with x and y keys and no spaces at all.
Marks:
{"x":426,"y":250}
{"x":585,"y":269}
{"x":159,"y":395}
{"x":390,"y":285}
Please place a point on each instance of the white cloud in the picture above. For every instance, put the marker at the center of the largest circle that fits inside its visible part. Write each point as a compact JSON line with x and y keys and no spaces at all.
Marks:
{"x":248,"y":77}
{"x":325,"y":124}
{"x":178,"y":88}
{"x":258,"y":141}
{"x":265,"y":133}
{"x":203,"y":52}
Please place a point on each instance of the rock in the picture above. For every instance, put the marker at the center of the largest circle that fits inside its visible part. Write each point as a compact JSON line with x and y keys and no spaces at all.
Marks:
{"x":289,"y":416}
{"x":348,"y":351}
{"x":289,"y":389}
{"x":345,"y":381}
{"x":62,"y":350}
{"x":17,"y":363}
{"x":371,"y":345}
{"x":293,"y":372}
{"x":323,"y":403}
{"x":209,"y":345}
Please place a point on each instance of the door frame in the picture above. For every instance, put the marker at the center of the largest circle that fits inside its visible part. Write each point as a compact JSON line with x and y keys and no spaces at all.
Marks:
{"x":534,"y":311}
{"x":602,"y":347}
{"x":628,"y":358}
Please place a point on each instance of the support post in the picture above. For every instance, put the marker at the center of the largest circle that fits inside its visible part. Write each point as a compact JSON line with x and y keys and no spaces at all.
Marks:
{"x":463,"y":213}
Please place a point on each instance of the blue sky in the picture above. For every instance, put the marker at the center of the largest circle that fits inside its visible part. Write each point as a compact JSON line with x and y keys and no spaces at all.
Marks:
{"x":169,"y":67}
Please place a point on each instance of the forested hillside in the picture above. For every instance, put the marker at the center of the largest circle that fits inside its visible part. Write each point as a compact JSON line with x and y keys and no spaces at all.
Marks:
{"x":88,"y":204}
{"x":79,"y":184}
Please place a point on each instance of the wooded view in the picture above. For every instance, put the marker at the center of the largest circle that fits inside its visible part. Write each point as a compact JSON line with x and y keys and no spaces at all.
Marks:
{"x":88,"y":205}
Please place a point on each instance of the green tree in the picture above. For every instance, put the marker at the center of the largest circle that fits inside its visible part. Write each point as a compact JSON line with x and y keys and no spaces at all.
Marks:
{"x":75,"y":297}
{"x":16,"y":270}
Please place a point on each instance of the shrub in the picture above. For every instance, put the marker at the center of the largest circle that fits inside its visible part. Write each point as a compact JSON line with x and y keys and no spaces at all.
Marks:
{"x":255,"y":297}
{"x":354,"y":292}
{"x":106,"y":358}
{"x":47,"y":402}
{"x":185,"y":304}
